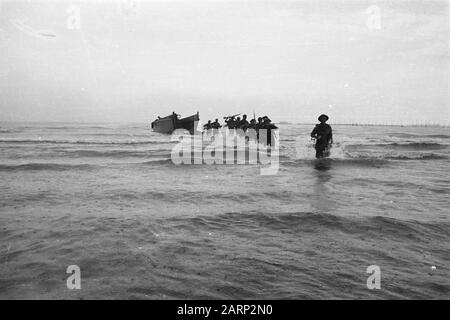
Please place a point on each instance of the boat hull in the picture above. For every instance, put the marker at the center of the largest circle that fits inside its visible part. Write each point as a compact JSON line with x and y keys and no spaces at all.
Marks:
{"x":171,"y":123}
{"x":164,"y":125}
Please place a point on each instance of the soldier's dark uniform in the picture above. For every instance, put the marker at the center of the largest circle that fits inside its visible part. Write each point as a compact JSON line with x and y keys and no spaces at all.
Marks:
{"x":324,"y":137}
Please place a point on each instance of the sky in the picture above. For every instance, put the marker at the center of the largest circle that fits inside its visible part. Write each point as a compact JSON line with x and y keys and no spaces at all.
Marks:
{"x":130,"y":61}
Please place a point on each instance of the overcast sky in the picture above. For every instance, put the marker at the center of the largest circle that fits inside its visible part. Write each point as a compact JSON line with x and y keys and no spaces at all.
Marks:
{"x":358,"y":61}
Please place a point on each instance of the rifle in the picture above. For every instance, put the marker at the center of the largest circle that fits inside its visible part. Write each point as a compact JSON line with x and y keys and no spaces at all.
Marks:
{"x":235,"y":115}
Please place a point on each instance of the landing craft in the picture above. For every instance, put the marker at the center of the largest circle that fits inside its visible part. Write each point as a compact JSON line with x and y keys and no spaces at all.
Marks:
{"x":172,"y":122}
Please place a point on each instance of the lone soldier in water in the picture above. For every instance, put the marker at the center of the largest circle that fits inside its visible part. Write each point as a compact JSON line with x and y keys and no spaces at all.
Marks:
{"x":324,"y":137}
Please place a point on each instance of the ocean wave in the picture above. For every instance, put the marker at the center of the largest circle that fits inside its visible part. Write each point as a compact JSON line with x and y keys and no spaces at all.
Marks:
{"x":114,"y":153}
{"x":69,"y":127}
{"x":438,"y":136}
{"x":157,"y":162}
{"x":373,"y":226}
{"x":401,"y":146}
{"x":430,"y":156}
{"x":356,"y":161}
{"x":361,"y":160}
{"x":83,"y":142}
{"x":108,"y":134}
{"x":367,"y":156}
{"x":9,"y":130}
{"x":410,"y":135}
{"x":46,"y":166}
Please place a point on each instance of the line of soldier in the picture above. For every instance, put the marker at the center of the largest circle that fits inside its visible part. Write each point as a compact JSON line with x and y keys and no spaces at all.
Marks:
{"x":234,"y":122}
{"x":212,"y":125}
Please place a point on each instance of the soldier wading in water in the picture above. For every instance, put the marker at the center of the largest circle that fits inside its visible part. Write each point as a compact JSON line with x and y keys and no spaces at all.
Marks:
{"x":324,"y":137}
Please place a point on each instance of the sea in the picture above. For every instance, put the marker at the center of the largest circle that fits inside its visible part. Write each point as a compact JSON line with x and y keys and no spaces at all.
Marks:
{"x":108,"y":199}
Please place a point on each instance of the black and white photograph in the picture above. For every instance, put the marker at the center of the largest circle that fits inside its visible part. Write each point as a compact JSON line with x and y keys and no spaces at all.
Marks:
{"x":224,"y":150}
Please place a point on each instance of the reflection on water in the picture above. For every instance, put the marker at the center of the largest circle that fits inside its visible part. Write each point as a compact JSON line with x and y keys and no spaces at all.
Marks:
{"x":321,"y":200}
{"x":322,"y":165}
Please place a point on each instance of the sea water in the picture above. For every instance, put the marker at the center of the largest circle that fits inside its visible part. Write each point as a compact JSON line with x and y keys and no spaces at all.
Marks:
{"x":109,"y":199}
